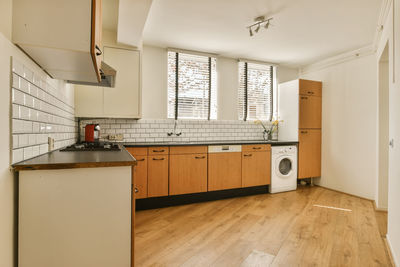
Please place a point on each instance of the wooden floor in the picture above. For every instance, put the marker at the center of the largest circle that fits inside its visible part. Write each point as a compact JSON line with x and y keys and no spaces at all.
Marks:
{"x":285,"y":229}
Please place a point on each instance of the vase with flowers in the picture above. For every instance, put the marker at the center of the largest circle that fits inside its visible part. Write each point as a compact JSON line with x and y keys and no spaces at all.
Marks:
{"x":269,"y":133}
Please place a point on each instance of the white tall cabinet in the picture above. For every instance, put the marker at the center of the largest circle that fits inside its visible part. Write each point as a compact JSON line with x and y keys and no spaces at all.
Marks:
{"x":122,"y":101}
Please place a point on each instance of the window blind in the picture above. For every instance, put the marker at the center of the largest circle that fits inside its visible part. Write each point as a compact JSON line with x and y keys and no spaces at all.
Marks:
{"x":255,"y":91}
{"x":191,"y":86}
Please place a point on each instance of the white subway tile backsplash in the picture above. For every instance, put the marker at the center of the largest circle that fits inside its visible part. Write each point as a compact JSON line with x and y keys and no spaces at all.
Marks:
{"x":41,"y":107}
{"x":192,"y":130}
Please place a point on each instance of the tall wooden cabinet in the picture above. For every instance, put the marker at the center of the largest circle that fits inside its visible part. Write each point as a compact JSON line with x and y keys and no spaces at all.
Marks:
{"x":310,"y":114}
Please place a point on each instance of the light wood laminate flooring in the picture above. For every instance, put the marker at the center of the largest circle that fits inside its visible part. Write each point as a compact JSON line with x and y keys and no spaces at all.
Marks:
{"x":312,"y":226}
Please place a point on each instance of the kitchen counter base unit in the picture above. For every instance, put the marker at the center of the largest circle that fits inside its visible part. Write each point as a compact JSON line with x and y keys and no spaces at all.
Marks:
{"x":169,"y":201}
{"x":75,"y":217}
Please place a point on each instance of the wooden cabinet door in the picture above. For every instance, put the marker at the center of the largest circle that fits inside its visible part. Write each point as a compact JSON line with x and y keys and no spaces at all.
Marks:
{"x":310,"y":112}
{"x":187,"y":174}
{"x":157,"y":176}
{"x":309,"y":153}
{"x":308,"y":87}
{"x":96,"y":30}
{"x":140,"y":174}
{"x":256,"y":168}
{"x":224,"y":171}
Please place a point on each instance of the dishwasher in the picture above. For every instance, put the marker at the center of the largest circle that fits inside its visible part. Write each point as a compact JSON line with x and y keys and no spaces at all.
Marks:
{"x":224,"y":167}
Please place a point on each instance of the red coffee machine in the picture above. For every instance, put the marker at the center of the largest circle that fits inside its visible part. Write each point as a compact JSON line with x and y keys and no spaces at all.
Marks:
{"x":92,"y":133}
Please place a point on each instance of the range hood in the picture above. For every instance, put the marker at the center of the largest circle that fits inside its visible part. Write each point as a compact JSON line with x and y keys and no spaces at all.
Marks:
{"x":108,"y":75}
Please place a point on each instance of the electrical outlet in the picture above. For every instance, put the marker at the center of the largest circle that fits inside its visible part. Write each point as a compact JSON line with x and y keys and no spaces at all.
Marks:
{"x":51,"y":143}
{"x":116,"y":137}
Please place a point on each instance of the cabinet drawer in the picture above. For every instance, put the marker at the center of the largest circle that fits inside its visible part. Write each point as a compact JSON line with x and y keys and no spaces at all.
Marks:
{"x":158,"y":150}
{"x":254,"y":148}
{"x":173,"y":150}
{"x":308,"y":87}
{"x":137,"y":151}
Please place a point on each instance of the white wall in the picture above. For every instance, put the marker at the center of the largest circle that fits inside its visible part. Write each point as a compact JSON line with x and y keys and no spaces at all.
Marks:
{"x":5,"y":17}
{"x":154,"y":84}
{"x":392,"y":37}
{"x":7,"y":179}
{"x":349,"y":115}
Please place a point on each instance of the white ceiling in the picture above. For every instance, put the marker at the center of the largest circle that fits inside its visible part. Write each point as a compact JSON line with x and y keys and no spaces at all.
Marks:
{"x":303,"y":31}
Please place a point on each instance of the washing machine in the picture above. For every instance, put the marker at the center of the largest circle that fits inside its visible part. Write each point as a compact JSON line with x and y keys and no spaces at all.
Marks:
{"x":283,"y":169}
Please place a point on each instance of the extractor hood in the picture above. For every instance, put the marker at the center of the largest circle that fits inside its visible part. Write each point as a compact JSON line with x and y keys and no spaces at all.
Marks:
{"x":108,"y":76}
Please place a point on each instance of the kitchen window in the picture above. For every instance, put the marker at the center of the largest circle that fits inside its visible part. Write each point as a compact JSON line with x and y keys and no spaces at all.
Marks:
{"x":192,"y":89}
{"x":255,"y":95}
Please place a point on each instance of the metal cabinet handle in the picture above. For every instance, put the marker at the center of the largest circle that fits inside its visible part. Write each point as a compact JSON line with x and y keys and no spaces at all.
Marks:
{"x":303,"y":132}
{"x":304,"y":97}
{"x":99,"y":52}
{"x":257,"y":147}
{"x":158,"y":159}
{"x":203,"y":157}
{"x":140,"y":160}
{"x":310,"y":92}
{"x":136,"y":190}
{"x":248,"y":155}
{"x":158,"y":151}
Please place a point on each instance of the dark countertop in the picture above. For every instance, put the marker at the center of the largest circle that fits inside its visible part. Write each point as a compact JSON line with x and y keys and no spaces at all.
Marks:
{"x":206,"y":143}
{"x":77,"y":159}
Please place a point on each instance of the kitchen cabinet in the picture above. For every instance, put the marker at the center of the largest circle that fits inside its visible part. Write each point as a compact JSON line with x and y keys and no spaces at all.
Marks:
{"x":309,"y":87}
{"x":309,"y":153}
{"x":140,"y":170}
{"x":122,"y":101}
{"x":66,"y":39}
{"x":157,"y":175}
{"x":84,"y":216}
{"x":224,"y":170}
{"x":310,"y":112}
{"x":256,"y":165}
{"x":187,"y":173}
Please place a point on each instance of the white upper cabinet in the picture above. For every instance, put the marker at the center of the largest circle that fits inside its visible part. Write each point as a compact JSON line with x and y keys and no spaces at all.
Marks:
{"x":63,"y":37}
{"x":122,"y":101}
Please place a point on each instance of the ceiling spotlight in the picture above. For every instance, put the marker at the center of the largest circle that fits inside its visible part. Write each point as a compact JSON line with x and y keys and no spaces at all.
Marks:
{"x":259,"y":21}
{"x":266,"y":26}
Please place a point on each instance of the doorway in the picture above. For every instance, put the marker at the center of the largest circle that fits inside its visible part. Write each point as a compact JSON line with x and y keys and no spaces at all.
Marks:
{"x":383,"y":130}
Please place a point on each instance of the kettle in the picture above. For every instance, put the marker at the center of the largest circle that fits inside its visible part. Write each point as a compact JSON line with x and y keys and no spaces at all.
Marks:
{"x":92,"y":133}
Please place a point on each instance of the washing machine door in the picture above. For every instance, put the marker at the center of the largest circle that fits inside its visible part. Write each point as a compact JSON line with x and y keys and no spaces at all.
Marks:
{"x":284,"y":166}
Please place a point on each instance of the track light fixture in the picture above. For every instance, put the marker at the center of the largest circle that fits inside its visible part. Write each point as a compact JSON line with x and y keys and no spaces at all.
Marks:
{"x":259,"y":21}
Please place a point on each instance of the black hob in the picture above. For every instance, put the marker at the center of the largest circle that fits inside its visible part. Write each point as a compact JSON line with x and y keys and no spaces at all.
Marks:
{"x":95,"y":146}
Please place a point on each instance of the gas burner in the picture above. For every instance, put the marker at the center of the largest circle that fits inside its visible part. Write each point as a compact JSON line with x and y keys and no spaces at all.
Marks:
{"x":92,"y":146}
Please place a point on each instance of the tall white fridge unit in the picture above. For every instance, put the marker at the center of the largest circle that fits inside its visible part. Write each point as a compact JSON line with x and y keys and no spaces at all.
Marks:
{"x":288,"y":110}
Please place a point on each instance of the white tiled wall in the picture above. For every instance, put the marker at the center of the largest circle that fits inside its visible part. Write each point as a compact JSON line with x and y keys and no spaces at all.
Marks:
{"x":192,"y":130}
{"x":41,"y":108}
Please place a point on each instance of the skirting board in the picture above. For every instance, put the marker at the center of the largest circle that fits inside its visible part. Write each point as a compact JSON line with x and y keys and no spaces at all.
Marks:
{"x":389,"y":247}
{"x":327,"y":188}
{"x":379,"y":209}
